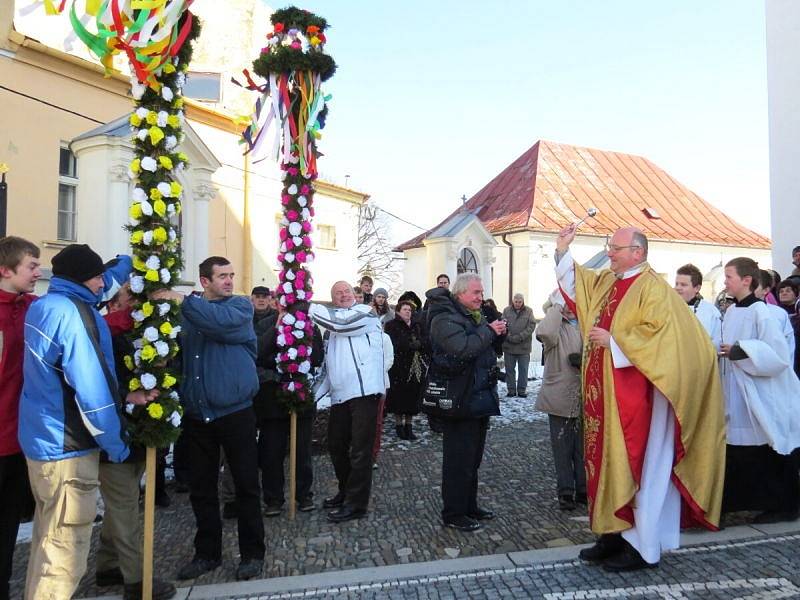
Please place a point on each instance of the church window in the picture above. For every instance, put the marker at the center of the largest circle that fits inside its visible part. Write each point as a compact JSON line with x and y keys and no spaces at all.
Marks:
{"x":467,"y":262}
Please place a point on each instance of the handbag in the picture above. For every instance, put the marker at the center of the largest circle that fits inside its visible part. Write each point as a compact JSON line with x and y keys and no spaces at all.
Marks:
{"x":447,"y":395}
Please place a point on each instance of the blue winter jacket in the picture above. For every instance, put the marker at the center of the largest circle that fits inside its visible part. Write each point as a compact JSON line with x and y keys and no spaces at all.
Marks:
{"x":69,"y":400}
{"x":218,"y":349}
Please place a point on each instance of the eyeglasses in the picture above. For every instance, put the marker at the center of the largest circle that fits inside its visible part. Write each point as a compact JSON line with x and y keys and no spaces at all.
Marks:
{"x":614,"y":248}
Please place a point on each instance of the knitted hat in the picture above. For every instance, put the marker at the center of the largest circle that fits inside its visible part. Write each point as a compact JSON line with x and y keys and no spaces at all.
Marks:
{"x":77,"y":262}
{"x":380,"y":292}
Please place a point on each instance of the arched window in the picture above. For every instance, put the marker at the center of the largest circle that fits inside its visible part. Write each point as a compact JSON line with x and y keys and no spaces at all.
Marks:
{"x":467,"y":263}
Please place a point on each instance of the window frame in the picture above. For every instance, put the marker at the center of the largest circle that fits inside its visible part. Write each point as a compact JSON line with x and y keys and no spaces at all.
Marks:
{"x":68,"y":180}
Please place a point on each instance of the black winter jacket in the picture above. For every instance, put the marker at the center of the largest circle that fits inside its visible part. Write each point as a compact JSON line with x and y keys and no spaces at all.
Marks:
{"x":462,"y":349}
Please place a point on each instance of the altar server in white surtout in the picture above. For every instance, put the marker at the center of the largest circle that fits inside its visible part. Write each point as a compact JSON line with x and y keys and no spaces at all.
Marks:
{"x":688,"y":282}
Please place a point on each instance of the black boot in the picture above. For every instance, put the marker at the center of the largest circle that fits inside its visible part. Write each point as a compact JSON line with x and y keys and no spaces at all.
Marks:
{"x":607,"y":545}
{"x":401,"y":432}
{"x":409,"y":432}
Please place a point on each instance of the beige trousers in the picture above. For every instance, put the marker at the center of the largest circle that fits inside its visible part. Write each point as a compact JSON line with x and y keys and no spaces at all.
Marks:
{"x":66,"y":505}
{"x":121,"y":533}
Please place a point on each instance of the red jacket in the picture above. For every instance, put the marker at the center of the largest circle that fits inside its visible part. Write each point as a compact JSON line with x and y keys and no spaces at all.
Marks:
{"x":12,"y":348}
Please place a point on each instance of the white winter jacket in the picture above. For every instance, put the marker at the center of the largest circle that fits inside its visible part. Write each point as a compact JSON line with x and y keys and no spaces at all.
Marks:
{"x":356,"y":354}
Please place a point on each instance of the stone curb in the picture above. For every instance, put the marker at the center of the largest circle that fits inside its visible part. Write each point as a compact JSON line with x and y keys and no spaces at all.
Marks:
{"x":511,"y":560}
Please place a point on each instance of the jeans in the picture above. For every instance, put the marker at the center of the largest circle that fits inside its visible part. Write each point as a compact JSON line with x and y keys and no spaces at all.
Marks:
{"x":351,"y":436}
{"x":462,"y":446}
{"x":517,"y":383}
{"x":273,"y":446}
{"x":13,"y":493}
{"x":566,"y":439}
{"x":236,"y":435}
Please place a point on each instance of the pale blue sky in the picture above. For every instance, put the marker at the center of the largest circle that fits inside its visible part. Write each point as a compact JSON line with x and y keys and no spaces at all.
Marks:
{"x":432,"y":99}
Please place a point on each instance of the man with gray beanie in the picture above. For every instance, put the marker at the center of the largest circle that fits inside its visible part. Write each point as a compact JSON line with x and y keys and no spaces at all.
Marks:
{"x":68,"y":413}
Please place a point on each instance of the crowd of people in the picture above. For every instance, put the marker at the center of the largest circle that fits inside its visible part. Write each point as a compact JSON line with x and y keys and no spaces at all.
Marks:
{"x":665,"y":410}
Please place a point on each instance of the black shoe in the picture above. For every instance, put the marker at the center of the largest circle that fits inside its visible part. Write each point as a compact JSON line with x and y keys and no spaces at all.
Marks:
{"x":273,"y":509}
{"x":627,"y":560}
{"x":230,"y":510}
{"x":109,"y":577}
{"x":410,"y":432}
{"x":306,"y":504}
{"x":163,"y":500}
{"x":522,"y":394}
{"x":333,"y":501}
{"x":606,"y":546}
{"x":462,"y":523}
{"x":162,"y":590}
{"x":511,"y":394}
{"x":482,"y":515}
{"x":565,"y":502}
{"x":249,"y":568}
{"x":346,"y":513}
{"x":400,"y":430}
{"x":580,"y":498}
{"x":774,"y":516}
{"x":198,"y":567}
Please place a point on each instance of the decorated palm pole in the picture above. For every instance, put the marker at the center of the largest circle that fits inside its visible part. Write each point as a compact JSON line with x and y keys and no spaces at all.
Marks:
{"x":156,"y":36}
{"x":286,"y":122}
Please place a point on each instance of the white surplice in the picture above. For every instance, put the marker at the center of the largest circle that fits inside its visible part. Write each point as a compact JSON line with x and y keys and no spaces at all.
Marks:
{"x":657,"y":512}
{"x":710,"y":319}
{"x":761,"y":391}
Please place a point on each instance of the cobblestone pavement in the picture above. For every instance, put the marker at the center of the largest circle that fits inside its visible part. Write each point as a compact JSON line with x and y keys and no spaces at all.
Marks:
{"x":403,"y":525}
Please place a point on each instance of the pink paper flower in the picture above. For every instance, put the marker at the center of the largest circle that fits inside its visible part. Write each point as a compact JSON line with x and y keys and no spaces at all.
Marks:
{"x":284,"y":233}
{"x":289,"y":244}
{"x":301,"y":256}
{"x":306,"y":226}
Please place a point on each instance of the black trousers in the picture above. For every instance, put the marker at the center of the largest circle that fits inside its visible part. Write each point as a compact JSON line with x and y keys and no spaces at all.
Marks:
{"x":14,"y":491}
{"x":758,"y":478}
{"x":273,"y":446}
{"x":236,"y":435}
{"x":463,"y":443}
{"x":351,"y":435}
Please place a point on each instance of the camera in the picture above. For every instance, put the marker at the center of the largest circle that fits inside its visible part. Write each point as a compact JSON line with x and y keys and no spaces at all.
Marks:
{"x":495,"y":374}
{"x":574,"y":359}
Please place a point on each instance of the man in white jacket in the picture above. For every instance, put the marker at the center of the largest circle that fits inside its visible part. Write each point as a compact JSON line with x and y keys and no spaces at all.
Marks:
{"x":355,"y":379}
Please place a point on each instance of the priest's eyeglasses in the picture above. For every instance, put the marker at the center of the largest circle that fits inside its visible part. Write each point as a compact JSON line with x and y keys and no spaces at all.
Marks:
{"x":614,"y":248}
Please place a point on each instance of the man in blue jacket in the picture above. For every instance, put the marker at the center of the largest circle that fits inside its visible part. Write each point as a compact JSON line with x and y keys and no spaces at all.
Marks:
{"x":219,"y":350}
{"x":68,"y":412}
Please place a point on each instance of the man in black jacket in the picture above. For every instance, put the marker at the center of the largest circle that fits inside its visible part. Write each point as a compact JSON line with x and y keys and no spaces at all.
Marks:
{"x":461,"y":344}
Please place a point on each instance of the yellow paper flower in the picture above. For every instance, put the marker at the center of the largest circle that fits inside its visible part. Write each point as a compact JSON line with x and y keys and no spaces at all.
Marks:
{"x":147,"y":308}
{"x":159,"y":235}
{"x":170,"y":262}
{"x":151,"y":275}
{"x":183,"y":157}
{"x":134,"y":384}
{"x":166,"y":328}
{"x":138,"y":264}
{"x":152,"y":117}
{"x":148,"y":352}
{"x":135,"y":211}
{"x":155,"y":410}
{"x":173,"y":121}
{"x":314,"y":41}
{"x":168,"y":381}
{"x":128,"y":360}
{"x":176,"y":188}
{"x":155,"y":194}
{"x":156,"y":135}
{"x":169,"y":68}
{"x":178,"y":103}
{"x":159,"y":207}
{"x":136,"y":165}
{"x":166,"y":162}
{"x":135,"y":120}
{"x":136,"y":236}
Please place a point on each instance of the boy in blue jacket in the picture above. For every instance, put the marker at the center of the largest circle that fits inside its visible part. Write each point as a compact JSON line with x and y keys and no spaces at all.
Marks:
{"x":68,"y":412}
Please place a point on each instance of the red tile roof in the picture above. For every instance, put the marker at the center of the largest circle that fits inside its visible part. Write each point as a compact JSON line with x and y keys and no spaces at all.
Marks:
{"x":552,"y":185}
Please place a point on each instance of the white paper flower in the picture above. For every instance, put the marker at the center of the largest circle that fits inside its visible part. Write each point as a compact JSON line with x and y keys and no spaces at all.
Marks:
{"x":147,"y":237}
{"x":291,"y":386}
{"x":292,"y":189}
{"x":148,"y":381}
{"x":141,"y":112}
{"x":289,"y":257}
{"x":153,"y":262}
{"x":302,"y":201}
{"x":142,"y":134}
{"x":167,"y":94}
{"x":283,"y":247}
{"x":137,"y":316}
{"x":139,"y":195}
{"x":299,"y":334}
{"x":289,"y":319}
{"x":300,"y":325}
{"x":301,"y":295}
{"x":281,"y":340}
{"x":163,"y":308}
{"x":284,"y":174}
{"x":173,"y":235}
{"x":150,"y":334}
{"x":147,"y":208}
{"x":290,"y":275}
{"x":164,"y":188}
{"x":175,"y":331}
{"x":137,"y":90}
{"x":170,"y":142}
{"x":165,"y":276}
{"x":287,"y":288}
{"x":292,"y":352}
{"x":180,"y":80}
{"x":129,"y":408}
{"x":298,"y":241}
{"x":304,"y":367}
{"x":174,"y":395}
{"x":171,"y":211}
{"x":175,"y":419}
{"x":137,"y":284}
{"x":162,"y":118}
{"x":138,"y":343}
{"x":295,"y":228}
{"x":305,"y":214}
{"x":149,"y":164}
{"x":161,"y":347}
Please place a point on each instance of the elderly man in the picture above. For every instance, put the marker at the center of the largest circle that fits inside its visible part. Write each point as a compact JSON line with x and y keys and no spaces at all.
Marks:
{"x":517,"y":345}
{"x":653,"y":411}
{"x":462,"y":365}
{"x":355,"y":379}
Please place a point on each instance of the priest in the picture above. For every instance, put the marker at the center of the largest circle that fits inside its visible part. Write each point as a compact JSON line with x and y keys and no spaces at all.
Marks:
{"x":654,"y":432}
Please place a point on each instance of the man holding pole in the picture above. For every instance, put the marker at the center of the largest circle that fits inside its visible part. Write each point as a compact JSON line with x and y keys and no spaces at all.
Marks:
{"x":219,"y":381}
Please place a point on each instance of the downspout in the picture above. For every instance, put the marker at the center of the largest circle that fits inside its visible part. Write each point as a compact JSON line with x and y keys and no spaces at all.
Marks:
{"x":510,"y":267}
{"x":247,"y":241}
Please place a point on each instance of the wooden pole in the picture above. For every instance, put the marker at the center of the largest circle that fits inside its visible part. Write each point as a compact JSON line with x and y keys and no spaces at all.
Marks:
{"x":149,"y":522}
{"x":292,"y":464}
